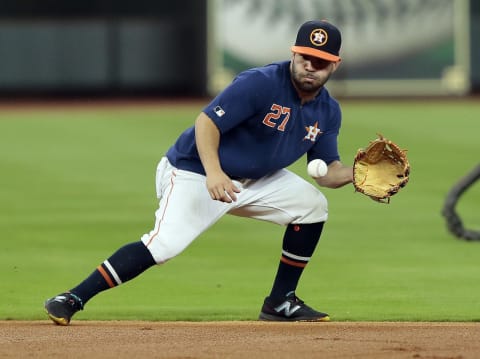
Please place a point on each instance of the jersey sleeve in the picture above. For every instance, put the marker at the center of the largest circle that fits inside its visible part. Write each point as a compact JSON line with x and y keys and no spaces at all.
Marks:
{"x":239,"y":101}
{"x":326,"y":148}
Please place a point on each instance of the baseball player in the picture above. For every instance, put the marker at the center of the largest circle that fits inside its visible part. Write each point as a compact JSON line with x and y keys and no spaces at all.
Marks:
{"x":233,"y":161}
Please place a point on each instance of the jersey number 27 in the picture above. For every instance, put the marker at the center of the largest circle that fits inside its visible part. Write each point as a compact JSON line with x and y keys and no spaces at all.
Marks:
{"x":271,"y":118}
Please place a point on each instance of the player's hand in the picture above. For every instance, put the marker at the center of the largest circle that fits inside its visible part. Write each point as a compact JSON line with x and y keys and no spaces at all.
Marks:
{"x":221,"y":187}
{"x":337,"y":176}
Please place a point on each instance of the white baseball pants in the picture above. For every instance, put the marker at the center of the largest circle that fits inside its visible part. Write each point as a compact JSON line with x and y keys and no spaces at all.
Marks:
{"x":186,"y":208}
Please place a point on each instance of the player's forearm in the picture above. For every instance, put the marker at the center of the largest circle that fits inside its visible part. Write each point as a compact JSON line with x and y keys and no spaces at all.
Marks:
{"x":338,"y":175}
{"x":207,"y":137}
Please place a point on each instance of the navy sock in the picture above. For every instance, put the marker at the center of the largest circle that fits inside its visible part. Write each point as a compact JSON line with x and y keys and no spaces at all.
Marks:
{"x":125,"y":264}
{"x":299,"y":243}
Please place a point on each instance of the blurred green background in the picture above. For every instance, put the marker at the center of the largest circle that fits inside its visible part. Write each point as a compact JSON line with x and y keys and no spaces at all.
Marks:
{"x":77,"y":182}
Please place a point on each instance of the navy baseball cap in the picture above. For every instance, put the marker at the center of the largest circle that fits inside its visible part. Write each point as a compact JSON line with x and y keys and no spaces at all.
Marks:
{"x":319,"y":38}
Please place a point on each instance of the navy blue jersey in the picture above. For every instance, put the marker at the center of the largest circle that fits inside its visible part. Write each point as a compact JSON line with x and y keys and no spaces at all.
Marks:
{"x":263,"y":125}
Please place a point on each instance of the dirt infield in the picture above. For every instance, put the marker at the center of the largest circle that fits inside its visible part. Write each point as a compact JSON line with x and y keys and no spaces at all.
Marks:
{"x":133,"y":339}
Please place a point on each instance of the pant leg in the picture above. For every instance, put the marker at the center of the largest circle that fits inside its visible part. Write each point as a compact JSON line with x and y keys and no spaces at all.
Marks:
{"x":185,"y":211}
{"x":282,"y":198}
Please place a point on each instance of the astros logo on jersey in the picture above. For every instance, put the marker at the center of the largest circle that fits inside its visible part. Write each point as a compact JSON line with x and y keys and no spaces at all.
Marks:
{"x":319,"y":37}
{"x":312,"y":132}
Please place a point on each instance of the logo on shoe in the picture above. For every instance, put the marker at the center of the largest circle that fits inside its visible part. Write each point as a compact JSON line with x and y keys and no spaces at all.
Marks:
{"x":287,"y":308}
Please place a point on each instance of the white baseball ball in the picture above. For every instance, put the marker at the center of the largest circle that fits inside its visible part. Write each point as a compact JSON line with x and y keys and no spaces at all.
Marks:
{"x":317,"y":168}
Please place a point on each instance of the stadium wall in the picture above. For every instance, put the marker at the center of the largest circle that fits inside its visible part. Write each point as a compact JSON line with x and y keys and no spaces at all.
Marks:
{"x":116,"y":47}
{"x":195,"y":47}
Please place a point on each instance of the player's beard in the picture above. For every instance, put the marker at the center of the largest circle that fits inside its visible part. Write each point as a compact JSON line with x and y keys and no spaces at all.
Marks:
{"x":314,"y":84}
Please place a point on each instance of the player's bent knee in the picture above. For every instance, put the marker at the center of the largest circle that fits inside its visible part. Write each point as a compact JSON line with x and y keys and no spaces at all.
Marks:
{"x":163,"y":250}
{"x":314,"y":208}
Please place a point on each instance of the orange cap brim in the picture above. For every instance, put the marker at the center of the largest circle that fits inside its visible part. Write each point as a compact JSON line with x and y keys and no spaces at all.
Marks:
{"x":302,"y":50}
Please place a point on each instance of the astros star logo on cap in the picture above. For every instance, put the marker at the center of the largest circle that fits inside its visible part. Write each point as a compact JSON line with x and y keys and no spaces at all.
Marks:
{"x":319,"y":37}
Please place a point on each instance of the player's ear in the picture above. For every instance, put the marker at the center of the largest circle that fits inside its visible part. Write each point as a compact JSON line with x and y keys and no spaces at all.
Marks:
{"x":336,"y":65}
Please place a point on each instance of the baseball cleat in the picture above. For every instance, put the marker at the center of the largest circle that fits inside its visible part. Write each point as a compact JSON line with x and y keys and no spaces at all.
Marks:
{"x":62,"y":307}
{"x":290,"y":309}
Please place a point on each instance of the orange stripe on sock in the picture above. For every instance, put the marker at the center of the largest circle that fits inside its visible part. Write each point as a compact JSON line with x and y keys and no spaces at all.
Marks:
{"x":105,"y":276}
{"x":292,"y":263}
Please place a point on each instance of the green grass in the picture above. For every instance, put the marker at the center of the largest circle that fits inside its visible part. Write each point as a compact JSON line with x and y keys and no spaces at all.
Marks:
{"x":78,"y":183}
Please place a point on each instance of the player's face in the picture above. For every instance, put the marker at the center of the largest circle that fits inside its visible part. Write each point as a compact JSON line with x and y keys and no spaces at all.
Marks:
{"x":309,"y":73}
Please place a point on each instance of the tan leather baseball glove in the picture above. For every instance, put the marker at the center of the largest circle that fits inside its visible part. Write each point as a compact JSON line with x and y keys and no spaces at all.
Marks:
{"x":380,"y":170}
